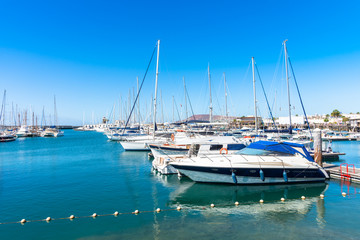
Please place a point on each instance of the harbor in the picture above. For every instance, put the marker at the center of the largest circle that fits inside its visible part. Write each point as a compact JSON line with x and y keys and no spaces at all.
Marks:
{"x":64,"y":183}
{"x":179,"y":120}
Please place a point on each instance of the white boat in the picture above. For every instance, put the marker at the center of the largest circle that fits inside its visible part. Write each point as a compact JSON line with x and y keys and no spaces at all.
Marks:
{"x":7,"y":137}
{"x":166,"y":153}
{"x":52,"y":132}
{"x":261,"y":162}
{"x":25,"y":131}
{"x":141,"y":143}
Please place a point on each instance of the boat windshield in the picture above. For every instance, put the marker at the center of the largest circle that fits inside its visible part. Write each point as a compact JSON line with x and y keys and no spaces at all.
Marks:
{"x":262,"y":152}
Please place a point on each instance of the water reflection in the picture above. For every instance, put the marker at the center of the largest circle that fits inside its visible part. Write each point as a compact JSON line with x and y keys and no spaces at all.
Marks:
{"x":197,"y":196}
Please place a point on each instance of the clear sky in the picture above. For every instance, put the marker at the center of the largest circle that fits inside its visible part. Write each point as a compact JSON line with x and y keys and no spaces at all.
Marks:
{"x":89,"y":53}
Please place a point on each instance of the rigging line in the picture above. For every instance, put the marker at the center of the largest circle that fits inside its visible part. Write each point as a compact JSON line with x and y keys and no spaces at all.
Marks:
{"x":2,"y":105}
{"x":276,"y":69}
{"x":137,"y":96}
{"x":192,"y":111}
{"x":177,"y":109}
{"x":267,"y":102}
{"x":297,"y":87}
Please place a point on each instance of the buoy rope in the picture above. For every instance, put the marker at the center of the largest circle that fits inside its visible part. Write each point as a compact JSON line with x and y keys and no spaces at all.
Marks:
{"x":178,"y":208}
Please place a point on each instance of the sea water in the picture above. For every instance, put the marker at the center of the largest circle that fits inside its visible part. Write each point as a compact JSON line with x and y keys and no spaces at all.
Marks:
{"x":82,"y":173}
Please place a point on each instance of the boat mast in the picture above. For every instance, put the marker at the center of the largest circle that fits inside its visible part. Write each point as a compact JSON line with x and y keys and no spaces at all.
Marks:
{"x":226,"y":110}
{"x":2,"y":115}
{"x":173,"y":109}
{"x":138,"y":101}
{"x":210,"y":107}
{"x":255,"y":108}
{"x":114,"y":108}
{"x":133,"y":96}
{"x":55,"y":112}
{"x":287,"y":81}
{"x":186,"y":111}
{"x":162,"y":107}
{"x":156,"y":84}
{"x":120,"y":106}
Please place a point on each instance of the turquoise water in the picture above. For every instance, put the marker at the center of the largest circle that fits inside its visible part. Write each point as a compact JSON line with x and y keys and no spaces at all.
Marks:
{"x":82,"y":173}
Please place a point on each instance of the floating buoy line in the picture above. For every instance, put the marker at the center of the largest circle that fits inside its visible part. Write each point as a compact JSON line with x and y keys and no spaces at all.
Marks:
{"x":158,"y":210}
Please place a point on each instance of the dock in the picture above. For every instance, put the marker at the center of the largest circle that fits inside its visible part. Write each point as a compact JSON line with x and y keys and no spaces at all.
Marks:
{"x":344,"y":171}
{"x":329,"y":156}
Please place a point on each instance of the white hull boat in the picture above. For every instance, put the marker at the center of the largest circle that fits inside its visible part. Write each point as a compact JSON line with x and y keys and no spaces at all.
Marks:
{"x":262,"y":162}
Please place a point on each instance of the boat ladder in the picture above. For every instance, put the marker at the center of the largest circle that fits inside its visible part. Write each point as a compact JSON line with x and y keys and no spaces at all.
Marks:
{"x":345,"y":175}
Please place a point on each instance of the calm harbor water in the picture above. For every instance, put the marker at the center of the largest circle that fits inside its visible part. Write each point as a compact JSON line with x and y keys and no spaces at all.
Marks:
{"x":82,"y":173}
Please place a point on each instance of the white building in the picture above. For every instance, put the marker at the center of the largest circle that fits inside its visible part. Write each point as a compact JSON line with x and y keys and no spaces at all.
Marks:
{"x":297,"y":120}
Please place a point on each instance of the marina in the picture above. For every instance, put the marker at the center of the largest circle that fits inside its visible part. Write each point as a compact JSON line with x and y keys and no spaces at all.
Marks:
{"x":179,"y":120}
{"x":60,"y":185}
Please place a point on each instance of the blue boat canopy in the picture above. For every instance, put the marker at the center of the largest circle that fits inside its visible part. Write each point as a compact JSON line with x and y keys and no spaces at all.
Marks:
{"x":282,"y":147}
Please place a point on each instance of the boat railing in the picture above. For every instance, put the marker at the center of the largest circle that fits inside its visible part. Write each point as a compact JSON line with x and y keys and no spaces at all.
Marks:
{"x":346,"y":175}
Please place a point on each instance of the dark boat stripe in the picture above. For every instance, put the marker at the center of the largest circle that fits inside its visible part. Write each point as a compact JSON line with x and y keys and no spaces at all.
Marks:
{"x":255,"y":172}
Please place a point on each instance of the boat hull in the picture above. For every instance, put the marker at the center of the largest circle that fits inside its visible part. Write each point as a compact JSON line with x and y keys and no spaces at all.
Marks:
{"x":7,"y":138}
{"x":134,"y":146}
{"x":245,"y":176}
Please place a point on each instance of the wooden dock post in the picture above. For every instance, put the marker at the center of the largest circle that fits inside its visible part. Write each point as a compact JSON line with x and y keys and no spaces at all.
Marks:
{"x":318,"y":147}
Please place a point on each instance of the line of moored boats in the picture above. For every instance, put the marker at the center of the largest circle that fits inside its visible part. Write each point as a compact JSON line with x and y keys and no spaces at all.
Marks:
{"x":9,"y":135}
{"x":236,"y":156}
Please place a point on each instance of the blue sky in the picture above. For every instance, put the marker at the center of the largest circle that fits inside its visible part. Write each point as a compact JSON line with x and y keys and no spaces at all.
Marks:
{"x":89,"y":53}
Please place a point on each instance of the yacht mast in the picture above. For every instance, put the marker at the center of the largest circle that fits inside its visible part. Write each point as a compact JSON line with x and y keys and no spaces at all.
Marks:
{"x":173,"y":109}
{"x":138,"y":101}
{"x":186,"y":111}
{"x":55,"y":112}
{"x":162,"y":107}
{"x":210,"y":107}
{"x":2,"y":115}
{"x":226,"y":110}
{"x":120,"y":106}
{"x":255,"y":108}
{"x":134,"y":104}
{"x":156,"y":84}
{"x":287,"y":81}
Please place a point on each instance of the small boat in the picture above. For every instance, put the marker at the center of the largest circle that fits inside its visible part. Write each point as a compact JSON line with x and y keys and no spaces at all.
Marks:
{"x":7,"y":137}
{"x":262,"y":162}
{"x":52,"y":132}
{"x":141,"y":143}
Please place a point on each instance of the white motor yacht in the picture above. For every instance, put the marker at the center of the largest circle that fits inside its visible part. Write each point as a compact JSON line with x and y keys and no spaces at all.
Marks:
{"x":262,"y":162}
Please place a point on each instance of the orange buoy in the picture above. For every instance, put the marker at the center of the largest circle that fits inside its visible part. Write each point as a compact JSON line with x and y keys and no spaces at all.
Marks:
{"x":224,"y":149}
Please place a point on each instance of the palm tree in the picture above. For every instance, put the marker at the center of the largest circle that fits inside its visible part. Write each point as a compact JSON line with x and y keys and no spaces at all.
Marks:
{"x":336,"y":113}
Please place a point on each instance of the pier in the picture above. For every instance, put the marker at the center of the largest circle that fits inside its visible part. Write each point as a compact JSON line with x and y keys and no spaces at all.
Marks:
{"x":344,"y":171}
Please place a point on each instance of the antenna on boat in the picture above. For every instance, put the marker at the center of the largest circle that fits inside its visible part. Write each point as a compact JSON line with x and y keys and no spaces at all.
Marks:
{"x":287,"y":81}
{"x":156,"y":84}
{"x":255,"y":109}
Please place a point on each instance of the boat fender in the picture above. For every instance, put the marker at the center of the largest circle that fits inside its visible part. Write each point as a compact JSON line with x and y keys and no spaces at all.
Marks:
{"x":285,"y":176}
{"x":234,"y":177}
{"x":262,"y":175}
{"x":223,"y":149}
{"x":172,"y":137}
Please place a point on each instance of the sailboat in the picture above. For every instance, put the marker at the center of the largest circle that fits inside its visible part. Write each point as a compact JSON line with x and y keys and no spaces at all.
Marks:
{"x":4,"y":136}
{"x":140,"y":143}
{"x":53,"y":131}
